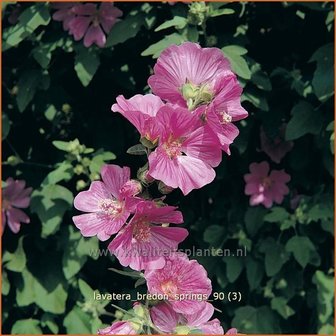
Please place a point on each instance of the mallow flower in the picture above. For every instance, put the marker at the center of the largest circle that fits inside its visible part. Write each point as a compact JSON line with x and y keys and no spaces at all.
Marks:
{"x":266,"y":187}
{"x":184,"y":282}
{"x":88,"y":21}
{"x":186,"y":151}
{"x":168,"y":321}
{"x":277,"y":147}
{"x":191,"y":77}
{"x":144,"y":242}
{"x":107,"y":202}
{"x":15,"y":196}
{"x":140,"y":111}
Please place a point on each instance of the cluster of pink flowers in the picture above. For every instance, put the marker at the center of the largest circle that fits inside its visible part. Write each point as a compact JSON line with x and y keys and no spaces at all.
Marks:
{"x":146,"y":242}
{"x":14,"y":197}
{"x":190,"y":117}
{"x":91,"y":21}
{"x":184,"y":124}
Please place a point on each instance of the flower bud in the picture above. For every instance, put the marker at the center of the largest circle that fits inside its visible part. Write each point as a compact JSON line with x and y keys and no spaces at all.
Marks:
{"x":79,"y":169}
{"x":147,"y":143}
{"x":143,"y":175}
{"x":80,"y":185}
{"x":13,"y":160}
{"x":66,"y":108}
{"x":164,"y":189}
{"x":131,"y":188}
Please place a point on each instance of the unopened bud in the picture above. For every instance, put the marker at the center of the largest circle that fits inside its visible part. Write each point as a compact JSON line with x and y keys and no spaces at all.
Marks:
{"x":144,"y":176}
{"x":164,"y":189}
{"x":66,"y":108}
{"x":79,"y":169}
{"x":13,"y":160}
{"x":148,"y":143}
{"x":80,"y":185}
{"x":131,"y":188}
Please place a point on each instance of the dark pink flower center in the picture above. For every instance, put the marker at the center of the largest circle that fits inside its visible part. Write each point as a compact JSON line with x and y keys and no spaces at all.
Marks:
{"x":267,"y":182}
{"x":110,"y":207}
{"x":141,"y":231}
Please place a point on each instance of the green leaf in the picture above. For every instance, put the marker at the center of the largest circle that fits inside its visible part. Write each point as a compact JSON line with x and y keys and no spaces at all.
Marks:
{"x":279,"y":304}
{"x":5,"y":283}
{"x":50,"y":203}
{"x":178,"y":22}
{"x":64,"y":172}
{"x":17,"y":260}
{"x":99,"y":160}
{"x":325,"y":297}
{"x":28,"y":83}
{"x":77,"y":322}
{"x":31,"y":18}
{"x":234,"y":267}
{"x":221,"y":11}
{"x":238,"y":63}
{"x":252,"y":320}
{"x":323,"y":80}
{"x":275,"y":256}
{"x":254,"y":219}
{"x":28,"y":326}
{"x":304,"y":120}
{"x":86,"y":64}
{"x":125,"y":29}
{"x":260,"y":78}
{"x":85,"y":289}
{"x":302,"y":248}
{"x":50,"y":297}
{"x":49,"y":322}
{"x":276,"y":215}
{"x":214,"y":235}
{"x":137,"y":150}
{"x":6,"y":124}
{"x":156,"y":48}
{"x":76,"y":251}
{"x":254,"y":272}
{"x":256,"y":98}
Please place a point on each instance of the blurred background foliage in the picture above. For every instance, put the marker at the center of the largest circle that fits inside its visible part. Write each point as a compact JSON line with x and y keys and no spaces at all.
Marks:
{"x":57,"y":131}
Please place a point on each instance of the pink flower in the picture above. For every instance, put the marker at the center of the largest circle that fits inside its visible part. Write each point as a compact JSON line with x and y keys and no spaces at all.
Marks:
{"x":65,"y":13}
{"x":167,"y":320}
{"x":131,"y":188}
{"x":118,"y":328}
{"x":186,"y":152}
{"x":88,"y":21}
{"x":141,"y":111}
{"x":263,"y":187}
{"x":232,"y":331}
{"x":141,"y":244}
{"x":191,"y":76}
{"x":15,"y":196}
{"x":183,"y":281}
{"x":108,"y":207}
{"x":275,"y":148}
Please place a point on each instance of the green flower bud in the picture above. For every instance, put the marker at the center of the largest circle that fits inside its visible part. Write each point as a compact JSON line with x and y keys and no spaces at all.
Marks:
{"x":13,"y":160}
{"x":80,"y":185}
{"x":164,"y":189}
{"x":79,"y":169}
{"x":66,"y":108}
